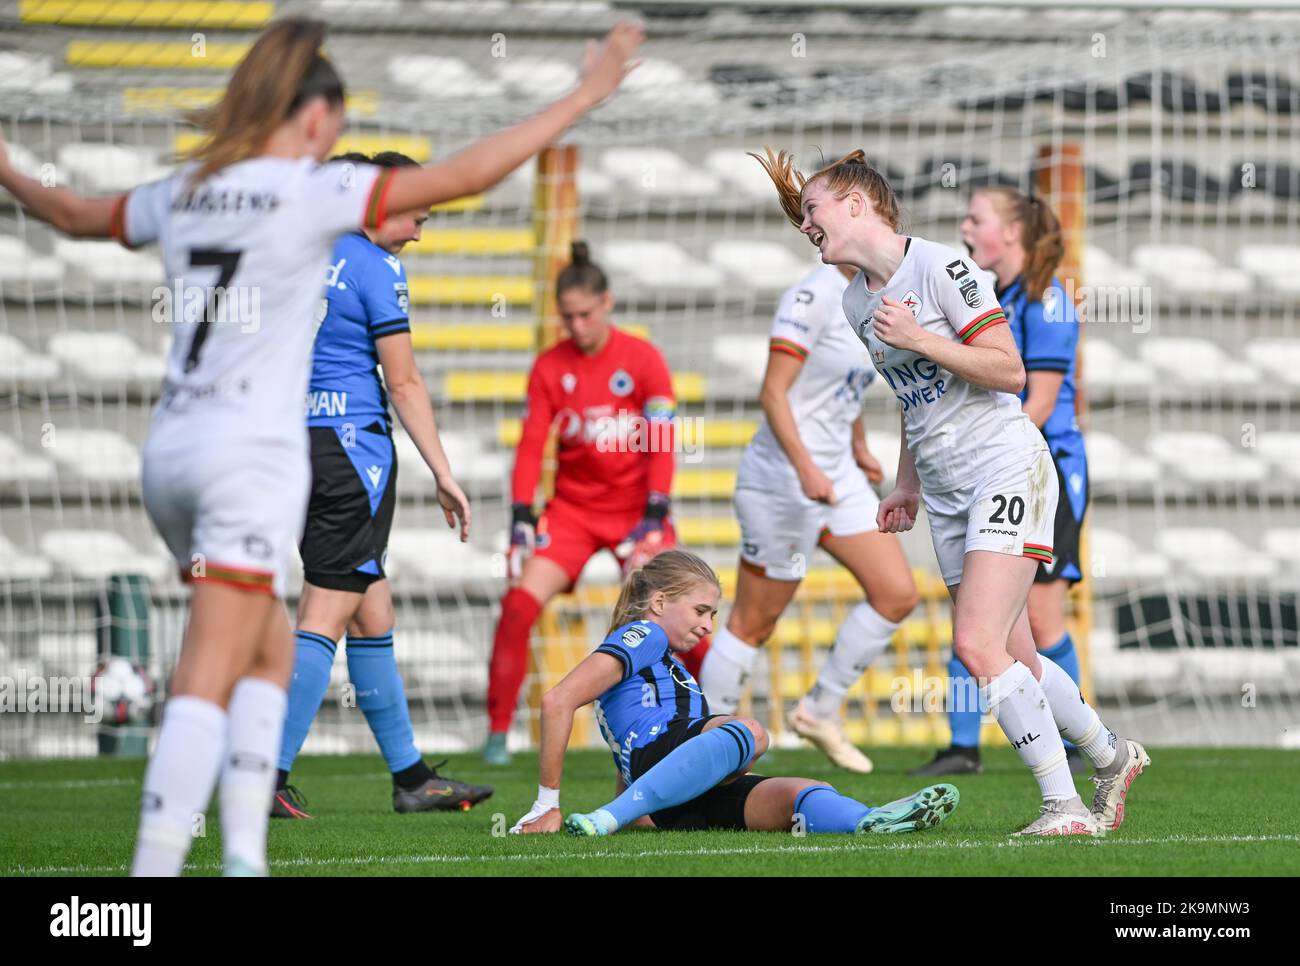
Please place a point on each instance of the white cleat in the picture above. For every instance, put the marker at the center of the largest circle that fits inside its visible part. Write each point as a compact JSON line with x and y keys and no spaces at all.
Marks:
{"x":828,"y":736}
{"x":1063,"y":818}
{"x":1112,"y":787}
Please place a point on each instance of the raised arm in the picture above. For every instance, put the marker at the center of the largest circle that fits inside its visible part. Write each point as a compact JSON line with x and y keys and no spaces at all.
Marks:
{"x":485,"y":163}
{"x":589,"y":680}
{"x":61,"y":208}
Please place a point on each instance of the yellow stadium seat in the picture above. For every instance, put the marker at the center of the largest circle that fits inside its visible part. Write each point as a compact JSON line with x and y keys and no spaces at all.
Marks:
{"x":471,"y":289}
{"x":474,"y":241}
{"x":174,"y":100}
{"x":485,"y":386}
{"x":230,"y":14}
{"x":712,"y":531}
{"x":791,"y":630}
{"x":704,"y":484}
{"x":411,"y":145}
{"x":142,"y":55}
{"x":474,"y":338}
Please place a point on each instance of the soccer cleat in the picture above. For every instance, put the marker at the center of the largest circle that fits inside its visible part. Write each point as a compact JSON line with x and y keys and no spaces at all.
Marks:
{"x":922,"y":810}
{"x":1074,"y":758}
{"x":495,"y":751}
{"x":1112,"y":786}
{"x":438,"y":794}
{"x":581,"y":825}
{"x":951,"y":761}
{"x":289,"y":803}
{"x":828,"y":736}
{"x":239,"y":869}
{"x":1060,"y":817}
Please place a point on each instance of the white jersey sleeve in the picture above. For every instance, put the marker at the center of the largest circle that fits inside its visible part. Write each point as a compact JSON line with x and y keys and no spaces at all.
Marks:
{"x":802,"y":314}
{"x":342,"y":196}
{"x":964,"y":296}
{"x":141,"y":213}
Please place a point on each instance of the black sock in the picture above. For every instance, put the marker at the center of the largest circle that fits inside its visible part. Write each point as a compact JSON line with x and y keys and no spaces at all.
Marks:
{"x":972,"y":753}
{"x":412,"y":777}
{"x":282,"y":779}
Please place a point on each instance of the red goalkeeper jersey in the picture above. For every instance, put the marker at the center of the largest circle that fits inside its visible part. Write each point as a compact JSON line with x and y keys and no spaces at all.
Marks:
{"x":613,"y":413}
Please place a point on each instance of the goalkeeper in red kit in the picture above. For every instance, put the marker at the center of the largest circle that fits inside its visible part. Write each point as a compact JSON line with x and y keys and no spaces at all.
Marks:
{"x":610,"y":398}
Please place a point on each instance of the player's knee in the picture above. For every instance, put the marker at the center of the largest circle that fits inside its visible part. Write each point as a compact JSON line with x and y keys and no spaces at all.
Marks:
{"x":972,"y":650}
{"x":760,"y":736}
{"x":895,"y":604}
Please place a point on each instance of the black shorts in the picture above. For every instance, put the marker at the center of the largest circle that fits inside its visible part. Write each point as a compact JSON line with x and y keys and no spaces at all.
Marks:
{"x":721,"y":807}
{"x":353,"y":494}
{"x":1071,"y":505}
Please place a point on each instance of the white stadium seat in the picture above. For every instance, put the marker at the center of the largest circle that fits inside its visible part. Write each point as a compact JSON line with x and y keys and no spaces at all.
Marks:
{"x":1188,"y":269}
{"x":106,"y":356}
{"x":1282,"y":450}
{"x":32,"y":74}
{"x":108,"y":263}
{"x":20,"y":265}
{"x":602,"y":568}
{"x":17,"y":565}
{"x":99,"y":455}
{"x":538,"y":77}
{"x":1114,"y":556}
{"x":1105,"y":367}
{"x":464,"y":452}
{"x":1110,"y":461}
{"x":1100,"y":269}
{"x":1284,"y":543}
{"x":1195,"y":362}
{"x":744,"y":352}
{"x":97,"y":554}
{"x":660,"y":264}
{"x":665,"y":82}
{"x":1280,"y":358}
{"x":19,"y":466}
{"x":111,"y":167}
{"x":1202,"y":457}
{"x":657,"y":173}
{"x":24,"y":161}
{"x":763,"y":266}
{"x":1214,"y":553}
{"x":437,"y":555}
{"x":1276,"y":266}
{"x":442,"y":77}
{"x":743,"y":173}
{"x":17,"y":364}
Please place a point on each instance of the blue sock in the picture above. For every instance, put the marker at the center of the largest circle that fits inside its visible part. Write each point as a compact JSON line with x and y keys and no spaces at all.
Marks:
{"x":826,"y":810}
{"x":381,"y":696}
{"x":963,"y":706}
{"x":313,"y":657}
{"x":686,"y":772}
{"x":1064,"y":654}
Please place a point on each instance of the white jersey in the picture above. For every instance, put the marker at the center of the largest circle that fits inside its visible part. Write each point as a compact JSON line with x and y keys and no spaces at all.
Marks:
{"x":826,"y":396}
{"x":261,"y":230}
{"x":956,"y":432}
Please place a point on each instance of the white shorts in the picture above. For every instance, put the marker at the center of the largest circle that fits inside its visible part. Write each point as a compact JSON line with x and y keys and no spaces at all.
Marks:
{"x":1011,"y":511}
{"x":780,"y":527}
{"x":230,"y":512}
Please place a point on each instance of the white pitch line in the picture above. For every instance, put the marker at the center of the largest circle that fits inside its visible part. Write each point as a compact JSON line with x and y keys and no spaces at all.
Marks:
{"x":108,"y":782}
{"x":795,"y":850}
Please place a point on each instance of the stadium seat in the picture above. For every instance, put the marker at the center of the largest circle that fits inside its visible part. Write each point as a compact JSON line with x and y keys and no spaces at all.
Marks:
{"x":1179,"y":180}
{"x":763,"y":266}
{"x":1106,"y":367}
{"x":703,"y":484}
{"x":19,"y":466}
{"x":154,"y":55}
{"x":1280,"y":358}
{"x":1196,"y":362}
{"x":509,"y":387}
{"x":31,"y":74}
{"x":743,"y":173}
{"x":1112,"y":555}
{"x":469,"y":463}
{"x":1110,"y":461}
{"x":1279,"y":179}
{"x":1214,"y":553}
{"x":110,"y":167}
{"x":1175,"y":92}
{"x":108,"y":263}
{"x":1186,"y":269}
{"x":1282,"y":449}
{"x":437,"y":555}
{"x":1206,"y":458}
{"x":708,"y":531}
{"x":657,"y":172}
{"x":1277,"y":267}
{"x":666,"y":82}
{"x":150,"y":101}
{"x":98,"y":554}
{"x":226,"y":14}
{"x":602,"y":570}
{"x":24,"y":161}
{"x":17,"y":565}
{"x":488,"y":337}
{"x":474,"y":241}
{"x":1100,"y":269}
{"x":1272,"y":93}
{"x":20,"y":266}
{"x":471,"y":289}
{"x":745,"y":353}
{"x":445,"y":78}
{"x":714,"y":433}
{"x":105,"y":356}
{"x":1284,"y":544}
{"x":543,"y":78}
{"x":96,"y":455}
{"x":660,"y":265}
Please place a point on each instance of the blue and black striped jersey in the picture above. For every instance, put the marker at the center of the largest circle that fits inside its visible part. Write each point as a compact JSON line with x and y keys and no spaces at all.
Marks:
{"x":1047,"y":335}
{"x":655,"y":690}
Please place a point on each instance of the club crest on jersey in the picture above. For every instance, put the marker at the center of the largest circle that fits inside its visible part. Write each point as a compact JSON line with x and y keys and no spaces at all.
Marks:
{"x":913,"y":302}
{"x":878,"y":357}
{"x":634,"y":635}
{"x":957,"y":270}
{"x":620,"y":383}
{"x":568,"y":381}
{"x":970,"y":292}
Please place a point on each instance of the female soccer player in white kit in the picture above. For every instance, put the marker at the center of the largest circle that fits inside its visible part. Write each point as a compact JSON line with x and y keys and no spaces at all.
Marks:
{"x":226,"y":469}
{"x":803,"y":482}
{"x":936,"y":334}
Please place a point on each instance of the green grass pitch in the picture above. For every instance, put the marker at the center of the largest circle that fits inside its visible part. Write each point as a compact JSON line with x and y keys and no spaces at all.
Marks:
{"x":1209,"y":811}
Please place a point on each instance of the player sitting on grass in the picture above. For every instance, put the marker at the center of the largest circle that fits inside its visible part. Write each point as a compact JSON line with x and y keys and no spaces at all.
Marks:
{"x":679,"y":767}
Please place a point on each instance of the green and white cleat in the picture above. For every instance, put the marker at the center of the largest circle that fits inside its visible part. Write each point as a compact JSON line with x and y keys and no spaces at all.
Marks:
{"x":925,"y":809}
{"x":582,"y":825}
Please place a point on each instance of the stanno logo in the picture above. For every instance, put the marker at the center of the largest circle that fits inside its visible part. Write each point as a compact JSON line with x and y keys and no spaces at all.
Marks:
{"x":95,"y":919}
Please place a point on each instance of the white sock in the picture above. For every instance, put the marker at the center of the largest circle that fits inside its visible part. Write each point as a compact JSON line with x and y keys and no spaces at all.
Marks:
{"x":726,"y":668}
{"x":178,"y":784}
{"x":861,"y":639}
{"x":257,"y":710}
{"x":1018,"y":704}
{"x":1075,"y":718}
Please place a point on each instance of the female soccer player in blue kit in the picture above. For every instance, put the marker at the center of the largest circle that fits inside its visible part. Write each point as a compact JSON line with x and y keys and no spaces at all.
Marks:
{"x":679,"y":767}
